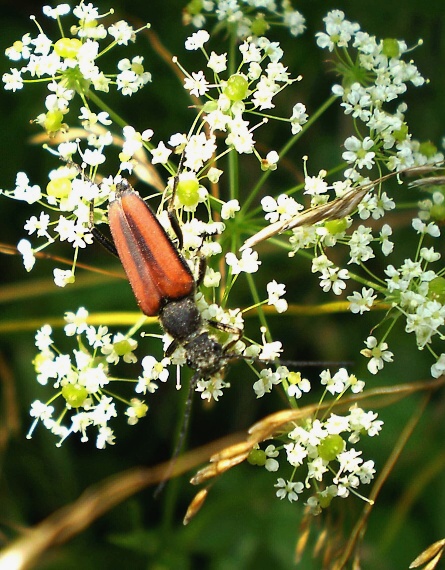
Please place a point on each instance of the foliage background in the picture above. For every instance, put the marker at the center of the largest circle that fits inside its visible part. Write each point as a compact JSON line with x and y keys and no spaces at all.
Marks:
{"x":242,"y":524}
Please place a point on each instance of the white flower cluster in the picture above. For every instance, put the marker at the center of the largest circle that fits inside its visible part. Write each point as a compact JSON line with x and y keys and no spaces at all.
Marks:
{"x":317,"y":449}
{"x":251,"y":88}
{"x":82,"y":381}
{"x":384,"y":78}
{"x":70,"y":63}
{"x":413,"y":289}
{"x":247,"y":17}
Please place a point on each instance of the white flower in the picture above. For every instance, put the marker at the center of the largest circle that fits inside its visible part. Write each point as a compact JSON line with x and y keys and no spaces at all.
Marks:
{"x":431,"y":229}
{"x":359,"y":244}
{"x":229,"y":209}
{"x":60,"y":10}
{"x":387,"y":245}
{"x":266,"y":382}
{"x":271,"y":351}
{"x":198,"y":150}
{"x":13,"y":81}
{"x":298,"y":118}
{"x":283,"y":208}
{"x":23,"y":190}
{"x":122,"y":32}
{"x":358,"y":153}
{"x":211,"y":389}
{"x":197,"y":84}
{"x":93,"y":157}
{"x":438,"y":368}
{"x":160,"y":154}
{"x":339,"y":31}
{"x":248,"y":263}
{"x":297,"y":385}
{"x":361,"y":302}
{"x":240,"y":137}
{"x":429,"y":254}
{"x":43,"y":338}
{"x":24,"y":247}
{"x":295,"y":21}
{"x":334,"y":384}
{"x":288,"y":489}
{"x":63,"y":277}
{"x":271,"y":464}
{"x":197,"y":40}
{"x":333,"y":278}
{"x":20,"y":49}
{"x":315,"y":185}
{"x":76,"y":322}
{"x":153,"y":370}
{"x":105,"y":436}
{"x":275,"y":291}
{"x":217,"y":62}
{"x":377,"y":353}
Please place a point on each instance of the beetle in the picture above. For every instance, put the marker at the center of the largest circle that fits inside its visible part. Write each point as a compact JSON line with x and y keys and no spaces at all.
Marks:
{"x":164,"y":286}
{"x":162,"y":281}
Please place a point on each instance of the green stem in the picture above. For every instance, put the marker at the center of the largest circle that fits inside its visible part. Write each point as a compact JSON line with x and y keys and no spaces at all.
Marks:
{"x":114,"y":116}
{"x":257,"y":301}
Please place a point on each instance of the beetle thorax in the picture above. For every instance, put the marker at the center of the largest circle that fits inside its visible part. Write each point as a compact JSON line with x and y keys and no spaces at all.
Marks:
{"x":181,"y":319}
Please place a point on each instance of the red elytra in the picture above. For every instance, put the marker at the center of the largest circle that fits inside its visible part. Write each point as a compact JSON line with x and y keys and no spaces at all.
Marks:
{"x":155,"y":269}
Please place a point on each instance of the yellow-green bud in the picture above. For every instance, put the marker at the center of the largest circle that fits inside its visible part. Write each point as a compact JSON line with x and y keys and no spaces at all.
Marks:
{"x":59,"y":188}
{"x":138,"y":68}
{"x":67,"y":47}
{"x":236,"y":87}
{"x":330,"y":447}
{"x":324,"y":500}
{"x":336,"y":226}
{"x":122,"y":347}
{"x":391,"y":47}
{"x":53,"y":121}
{"x":259,"y":26}
{"x":194,"y":7}
{"x":74,"y":394}
{"x":428,"y":149}
{"x":437,"y":212}
{"x":436,"y":289}
{"x":187,"y":192}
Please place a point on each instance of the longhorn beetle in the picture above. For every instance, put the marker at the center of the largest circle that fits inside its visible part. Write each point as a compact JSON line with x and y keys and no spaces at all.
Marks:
{"x":162,"y":282}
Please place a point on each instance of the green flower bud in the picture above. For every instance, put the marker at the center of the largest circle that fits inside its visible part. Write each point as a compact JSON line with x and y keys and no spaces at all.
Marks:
{"x":330,"y":447}
{"x":236,"y":88}
{"x":59,"y":188}
{"x":74,"y":394}
{"x":336,"y":226}
{"x":428,"y":149}
{"x":437,"y":212}
{"x":122,"y":347}
{"x":391,"y":48}
{"x":257,"y":457}
{"x":436,"y":289}
{"x":194,"y":7}
{"x":53,"y":121}
{"x":259,"y":26}
{"x":67,"y":47}
{"x":187,"y":192}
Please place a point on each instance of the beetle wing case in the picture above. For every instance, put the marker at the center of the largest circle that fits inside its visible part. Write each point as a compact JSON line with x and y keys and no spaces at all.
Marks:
{"x":156,"y":270}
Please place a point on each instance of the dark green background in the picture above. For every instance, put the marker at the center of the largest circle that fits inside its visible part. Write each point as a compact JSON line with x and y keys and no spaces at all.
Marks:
{"x":242,"y":525}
